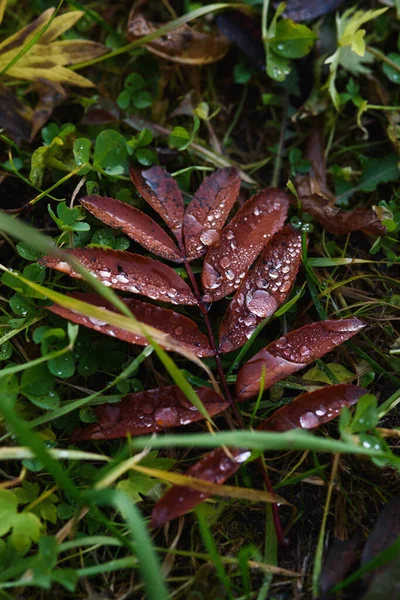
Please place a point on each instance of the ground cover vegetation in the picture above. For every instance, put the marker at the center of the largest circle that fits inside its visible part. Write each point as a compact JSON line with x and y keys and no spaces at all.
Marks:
{"x":199,"y":295}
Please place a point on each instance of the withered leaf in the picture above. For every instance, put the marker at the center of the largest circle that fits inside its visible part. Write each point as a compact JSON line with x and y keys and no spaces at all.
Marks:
{"x":129,"y":273}
{"x":179,"y":327}
{"x":134,"y":223}
{"x":265,"y":287}
{"x":148,"y":411}
{"x":50,"y":94}
{"x":15,"y":116}
{"x":209,"y":209}
{"x":161,"y":191}
{"x":47,"y":58}
{"x":315,"y":182}
{"x":215,"y":466}
{"x":338,"y":221}
{"x":306,"y":10}
{"x":340,"y":558}
{"x":384,"y":534}
{"x":241,"y":241}
{"x":312,"y":409}
{"x":293,"y":352}
{"x":245,"y":32}
{"x":182,"y":45}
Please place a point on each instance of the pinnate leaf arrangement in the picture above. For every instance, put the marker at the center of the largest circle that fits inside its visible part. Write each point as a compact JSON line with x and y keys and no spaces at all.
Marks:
{"x":255,"y":258}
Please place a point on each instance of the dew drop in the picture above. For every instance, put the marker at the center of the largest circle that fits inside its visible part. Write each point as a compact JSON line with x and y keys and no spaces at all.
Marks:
{"x":210,"y":237}
{"x":230,"y":275}
{"x":179,"y":331}
{"x":166,"y":417}
{"x":309,"y":420}
{"x":225,"y":262}
{"x":97,"y":322}
{"x":262,"y":304}
{"x":304,"y":351}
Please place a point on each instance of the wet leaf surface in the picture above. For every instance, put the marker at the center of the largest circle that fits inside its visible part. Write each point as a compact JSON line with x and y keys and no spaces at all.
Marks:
{"x":133,"y":223}
{"x":148,"y":411}
{"x":338,"y":221}
{"x":215,"y":466}
{"x":161,"y":191}
{"x":292,"y":353}
{"x":129,"y":273}
{"x":341,"y":556}
{"x":208,"y":210}
{"x":312,"y":409}
{"x":241,"y":241}
{"x":179,"y":327}
{"x":263,"y":290}
{"x":182,"y":45}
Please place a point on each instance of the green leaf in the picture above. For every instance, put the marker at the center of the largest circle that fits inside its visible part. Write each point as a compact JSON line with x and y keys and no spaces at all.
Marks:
{"x":179,"y":138}
{"x":142,"y":100}
{"x":292,"y":40}
{"x":104,"y":237}
{"x":367,"y":414}
{"x":278,"y":67}
{"x":389,"y":71}
{"x":124,"y":99}
{"x":134,"y":82}
{"x":62,"y":366}
{"x":26,"y":528}
{"x":21,"y":306}
{"x":110,"y":152}
{"x":242,"y":73}
{"x":27,"y":252}
{"x":145,"y":157}
{"x":81,"y":150}
{"x":377,"y":171}
{"x":8,"y":510}
{"x":5,"y":351}
{"x":9,"y":389}
{"x":37,"y":385}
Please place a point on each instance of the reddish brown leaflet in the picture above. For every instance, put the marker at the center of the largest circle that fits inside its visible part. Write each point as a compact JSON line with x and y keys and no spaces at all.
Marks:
{"x":263,"y":290}
{"x":179,"y":327}
{"x":217,"y":466}
{"x":134,"y":223}
{"x":161,"y":191}
{"x":292,"y":353}
{"x":148,"y":411}
{"x":129,"y":273}
{"x":313,"y":409}
{"x":241,"y":241}
{"x":338,"y":221}
{"x":208,"y":210}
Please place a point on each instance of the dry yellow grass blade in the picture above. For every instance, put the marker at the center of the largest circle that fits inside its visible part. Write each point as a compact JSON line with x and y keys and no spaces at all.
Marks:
{"x":3,"y":4}
{"x":200,"y":485}
{"x":33,"y":53}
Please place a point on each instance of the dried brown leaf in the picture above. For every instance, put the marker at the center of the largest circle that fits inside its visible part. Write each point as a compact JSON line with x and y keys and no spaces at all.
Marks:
{"x":162,"y":192}
{"x":177,"y":326}
{"x":133,"y":223}
{"x":148,"y":411}
{"x":263,"y":290}
{"x":182,"y":45}
{"x":50,"y":94}
{"x":129,"y":273}
{"x":293,"y":352}
{"x":241,"y":241}
{"x":312,"y":409}
{"x":338,"y":221}
{"x":208,"y":210}
{"x":340,"y":558}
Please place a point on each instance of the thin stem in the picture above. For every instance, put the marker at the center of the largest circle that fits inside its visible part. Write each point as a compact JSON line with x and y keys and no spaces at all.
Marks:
{"x":278,"y":161}
{"x":278,"y":527}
